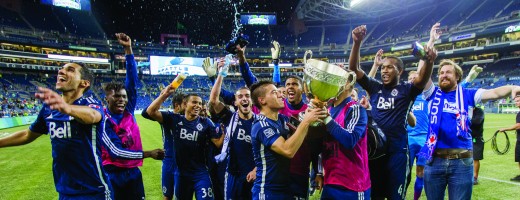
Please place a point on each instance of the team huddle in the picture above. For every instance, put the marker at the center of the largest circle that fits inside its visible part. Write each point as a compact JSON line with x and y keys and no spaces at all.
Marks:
{"x":271,"y":141}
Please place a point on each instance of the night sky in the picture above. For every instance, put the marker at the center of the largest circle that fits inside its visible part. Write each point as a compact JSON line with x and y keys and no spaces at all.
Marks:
{"x":206,"y":21}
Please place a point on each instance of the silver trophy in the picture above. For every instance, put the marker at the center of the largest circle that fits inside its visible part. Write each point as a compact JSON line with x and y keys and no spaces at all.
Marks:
{"x":324,"y":81}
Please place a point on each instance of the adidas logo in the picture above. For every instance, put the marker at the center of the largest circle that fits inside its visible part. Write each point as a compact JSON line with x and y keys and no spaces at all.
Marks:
{"x":180,"y":123}
{"x":380,"y":92}
{"x":240,"y":123}
{"x":49,"y":117}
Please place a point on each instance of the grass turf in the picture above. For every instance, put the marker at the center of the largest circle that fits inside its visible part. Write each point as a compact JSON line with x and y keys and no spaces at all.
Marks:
{"x":25,"y":171}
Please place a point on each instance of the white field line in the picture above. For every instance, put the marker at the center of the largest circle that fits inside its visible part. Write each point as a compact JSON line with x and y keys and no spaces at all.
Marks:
{"x":497,"y":180}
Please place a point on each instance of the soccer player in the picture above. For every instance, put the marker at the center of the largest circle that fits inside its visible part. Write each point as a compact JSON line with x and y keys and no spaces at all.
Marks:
{"x":75,"y":122}
{"x":125,"y":176}
{"x":271,"y":148}
{"x":450,"y":145}
{"x":240,"y":170}
{"x":517,"y":128}
{"x":417,"y":138}
{"x":345,"y":155}
{"x":168,"y":165}
{"x":190,"y":135}
{"x":390,"y":102}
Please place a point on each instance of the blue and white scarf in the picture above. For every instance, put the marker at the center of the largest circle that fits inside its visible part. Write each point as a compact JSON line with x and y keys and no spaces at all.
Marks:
{"x":435,"y":120}
{"x":230,"y":130}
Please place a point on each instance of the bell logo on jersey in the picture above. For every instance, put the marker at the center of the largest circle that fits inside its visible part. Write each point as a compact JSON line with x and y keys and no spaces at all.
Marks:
{"x":189,"y":136}
{"x":59,"y":132}
{"x":385,"y":105}
{"x":419,"y":106}
{"x":242,"y":136}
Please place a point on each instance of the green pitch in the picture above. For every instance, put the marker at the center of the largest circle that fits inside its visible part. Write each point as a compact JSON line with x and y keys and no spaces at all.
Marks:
{"x":25,"y":171}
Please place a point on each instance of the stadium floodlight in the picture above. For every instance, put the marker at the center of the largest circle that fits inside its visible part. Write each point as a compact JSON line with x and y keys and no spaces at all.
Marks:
{"x":76,"y":58}
{"x":355,"y":2}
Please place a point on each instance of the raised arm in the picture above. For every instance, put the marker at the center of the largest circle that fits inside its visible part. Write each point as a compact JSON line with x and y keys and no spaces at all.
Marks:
{"x":153,"y":109}
{"x":113,"y":144}
{"x":358,"y":34}
{"x":275,"y":55}
{"x":214,"y":96}
{"x":472,"y":75}
{"x":131,"y":71}
{"x":378,"y":61}
{"x":83,"y":114}
{"x":435,"y":34}
{"x":355,"y":127}
{"x":289,"y":147}
{"x":248,"y":76}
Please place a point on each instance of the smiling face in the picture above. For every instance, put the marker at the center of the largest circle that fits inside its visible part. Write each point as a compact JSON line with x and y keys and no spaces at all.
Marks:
{"x":193,"y":106}
{"x":69,"y":78}
{"x":294,"y":90}
{"x":243,"y":101}
{"x":116,"y":101}
{"x":283,"y":91}
{"x":447,"y":78}
{"x":389,"y":72}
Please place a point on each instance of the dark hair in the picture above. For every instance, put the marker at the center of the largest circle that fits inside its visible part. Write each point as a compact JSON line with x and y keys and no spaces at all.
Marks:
{"x":399,"y":63}
{"x":257,"y":90}
{"x":86,"y":74}
{"x":113,"y":86}
{"x":300,"y":80}
{"x":178,"y":98}
{"x":187,"y":96}
{"x":242,"y":88}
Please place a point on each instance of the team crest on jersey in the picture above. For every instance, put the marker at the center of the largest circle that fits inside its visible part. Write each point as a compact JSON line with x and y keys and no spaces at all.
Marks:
{"x":199,"y":127}
{"x":394,"y":92}
{"x":268,"y":132}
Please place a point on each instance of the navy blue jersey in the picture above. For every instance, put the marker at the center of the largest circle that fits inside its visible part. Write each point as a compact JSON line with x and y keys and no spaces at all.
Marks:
{"x":447,"y":135}
{"x":167,"y":133}
{"x":420,"y":111}
{"x":390,"y":108}
{"x":240,"y":148}
{"x":272,"y":169}
{"x":76,"y":149}
{"x":190,"y":142}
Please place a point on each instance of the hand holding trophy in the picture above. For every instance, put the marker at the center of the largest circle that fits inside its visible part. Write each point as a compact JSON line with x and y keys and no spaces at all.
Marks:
{"x":323,"y":81}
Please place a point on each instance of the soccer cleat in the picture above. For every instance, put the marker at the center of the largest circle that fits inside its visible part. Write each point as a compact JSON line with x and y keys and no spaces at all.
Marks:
{"x":516,"y":178}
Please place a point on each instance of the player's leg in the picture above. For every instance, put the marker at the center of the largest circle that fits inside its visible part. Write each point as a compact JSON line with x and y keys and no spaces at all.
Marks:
{"x":435,"y":180}
{"x":478,"y":154}
{"x":167,"y":179}
{"x":202,"y":186}
{"x":398,"y":171}
{"x":378,"y":177}
{"x":415,"y":148}
{"x":134,"y":188}
{"x":517,"y":157}
{"x":332,"y":192}
{"x":299,"y":187}
{"x":460,"y":180}
{"x":183,"y":187}
{"x":117,"y":179}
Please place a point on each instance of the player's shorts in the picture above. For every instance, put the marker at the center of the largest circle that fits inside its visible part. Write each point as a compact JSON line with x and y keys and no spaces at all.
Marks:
{"x":127,"y":183}
{"x":267,"y":195}
{"x":415,"y":148}
{"x":237,"y":186}
{"x":299,"y":187}
{"x":167,"y":178}
{"x":389,"y":175}
{"x":98,"y":196}
{"x":478,"y":148}
{"x":517,"y":148}
{"x":334,"y":192}
{"x":198,"y":183}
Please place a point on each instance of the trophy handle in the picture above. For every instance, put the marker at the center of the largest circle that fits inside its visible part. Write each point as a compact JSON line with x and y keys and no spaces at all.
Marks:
{"x":353,"y":75}
{"x":305,"y":56}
